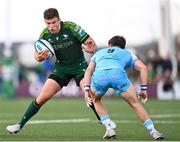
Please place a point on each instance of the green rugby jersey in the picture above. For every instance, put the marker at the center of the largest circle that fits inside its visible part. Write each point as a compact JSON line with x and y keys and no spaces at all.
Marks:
{"x":67,"y":42}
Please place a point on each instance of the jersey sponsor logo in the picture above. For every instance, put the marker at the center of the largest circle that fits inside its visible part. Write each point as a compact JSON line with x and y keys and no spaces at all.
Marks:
{"x":65,"y":36}
{"x":50,"y":40}
{"x":57,"y":38}
{"x":63,"y":45}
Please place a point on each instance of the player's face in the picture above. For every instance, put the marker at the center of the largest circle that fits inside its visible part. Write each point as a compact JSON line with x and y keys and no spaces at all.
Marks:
{"x":53,"y":24}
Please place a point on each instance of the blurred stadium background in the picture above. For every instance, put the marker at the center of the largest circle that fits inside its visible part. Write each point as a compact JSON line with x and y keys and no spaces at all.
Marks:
{"x":152,"y":30}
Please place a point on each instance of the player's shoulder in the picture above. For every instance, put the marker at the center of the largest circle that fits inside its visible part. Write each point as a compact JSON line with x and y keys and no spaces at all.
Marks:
{"x":99,"y":50}
{"x":68,"y":24}
{"x":132,"y":54}
{"x":130,"y":51}
{"x":121,"y":49}
{"x":44,"y":32}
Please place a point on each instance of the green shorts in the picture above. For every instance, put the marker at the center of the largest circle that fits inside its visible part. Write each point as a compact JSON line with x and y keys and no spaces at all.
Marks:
{"x":62,"y":74}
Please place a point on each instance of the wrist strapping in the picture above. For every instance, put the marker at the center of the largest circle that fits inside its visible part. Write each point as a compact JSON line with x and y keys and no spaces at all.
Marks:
{"x":144,"y":87}
{"x":87,"y":87}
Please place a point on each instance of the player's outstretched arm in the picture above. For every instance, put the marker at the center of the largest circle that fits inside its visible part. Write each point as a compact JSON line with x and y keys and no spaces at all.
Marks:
{"x":89,"y":45}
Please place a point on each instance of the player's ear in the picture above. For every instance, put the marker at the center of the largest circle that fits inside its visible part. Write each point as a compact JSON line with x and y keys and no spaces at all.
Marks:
{"x":109,"y":45}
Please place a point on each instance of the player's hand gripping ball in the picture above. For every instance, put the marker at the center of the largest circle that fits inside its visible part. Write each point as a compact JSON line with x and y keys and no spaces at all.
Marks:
{"x":41,"y":45}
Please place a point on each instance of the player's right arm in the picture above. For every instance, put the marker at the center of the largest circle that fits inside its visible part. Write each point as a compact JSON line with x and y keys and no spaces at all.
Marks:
{"x":87,"y":79}
{"x":41,"y":56}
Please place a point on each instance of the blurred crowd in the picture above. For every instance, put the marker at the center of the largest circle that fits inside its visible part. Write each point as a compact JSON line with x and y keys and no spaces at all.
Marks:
{"x":18,"y":79}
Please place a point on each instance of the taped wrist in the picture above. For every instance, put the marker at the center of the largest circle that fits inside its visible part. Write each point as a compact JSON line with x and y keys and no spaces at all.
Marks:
{"x":144,"y":87}
{"x":87,"y":87}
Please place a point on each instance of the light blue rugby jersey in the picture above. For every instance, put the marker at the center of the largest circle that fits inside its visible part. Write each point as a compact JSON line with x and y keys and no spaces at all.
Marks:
{"x":113,"y":57}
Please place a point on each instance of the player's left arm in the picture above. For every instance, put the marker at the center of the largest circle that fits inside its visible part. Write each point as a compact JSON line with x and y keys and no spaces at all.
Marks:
{"x":142,"y":68}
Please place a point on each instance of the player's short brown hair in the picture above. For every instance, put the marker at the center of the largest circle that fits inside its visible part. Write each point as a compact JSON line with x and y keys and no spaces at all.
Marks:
{"x":119,"y":41}
{"x":51,"y":13}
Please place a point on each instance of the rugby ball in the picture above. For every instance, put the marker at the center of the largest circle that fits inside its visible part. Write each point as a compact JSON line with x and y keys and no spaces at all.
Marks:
{"x":41,"y":45}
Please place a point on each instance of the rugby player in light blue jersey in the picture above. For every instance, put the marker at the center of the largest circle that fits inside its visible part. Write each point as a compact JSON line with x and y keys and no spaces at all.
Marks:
{"x":107,"y":70}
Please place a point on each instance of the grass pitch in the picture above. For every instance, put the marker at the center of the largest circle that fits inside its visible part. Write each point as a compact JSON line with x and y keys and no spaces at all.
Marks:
{"x":68,"y":119}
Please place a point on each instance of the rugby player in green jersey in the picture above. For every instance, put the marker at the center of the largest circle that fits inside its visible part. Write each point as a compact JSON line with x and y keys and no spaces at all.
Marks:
{"x":68,"y":40}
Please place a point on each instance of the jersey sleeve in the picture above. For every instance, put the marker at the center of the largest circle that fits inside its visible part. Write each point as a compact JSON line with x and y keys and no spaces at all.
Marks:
{"x":133,"y":59}
{"x":93,"y":58}
{"x":77,"y":31}
{"x":43,"y":33}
